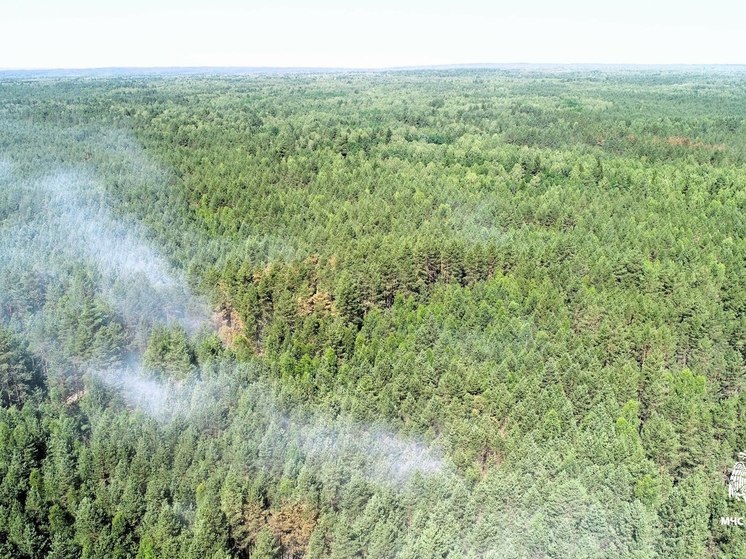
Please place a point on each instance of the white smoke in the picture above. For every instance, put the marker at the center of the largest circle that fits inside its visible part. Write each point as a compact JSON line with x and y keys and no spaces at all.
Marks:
{"x":374,"y":452}
{"x":63,"y":218}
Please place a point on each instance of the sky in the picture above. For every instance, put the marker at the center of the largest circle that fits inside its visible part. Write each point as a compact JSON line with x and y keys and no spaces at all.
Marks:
{"x":367,"y":34}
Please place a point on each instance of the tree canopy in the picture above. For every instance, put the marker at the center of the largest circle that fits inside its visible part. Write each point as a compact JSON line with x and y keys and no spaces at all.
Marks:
{"x":457,"y":314}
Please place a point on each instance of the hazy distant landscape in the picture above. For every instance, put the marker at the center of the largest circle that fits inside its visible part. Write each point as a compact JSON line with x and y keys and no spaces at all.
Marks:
{"x":239,"y":70}
{"x":481,"y":311}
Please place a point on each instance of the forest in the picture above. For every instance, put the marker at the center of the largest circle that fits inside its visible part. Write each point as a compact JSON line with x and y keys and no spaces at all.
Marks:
{"x":457,"y":314}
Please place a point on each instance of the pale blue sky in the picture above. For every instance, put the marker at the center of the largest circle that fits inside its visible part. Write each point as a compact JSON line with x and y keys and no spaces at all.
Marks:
{"x":382,"y":33}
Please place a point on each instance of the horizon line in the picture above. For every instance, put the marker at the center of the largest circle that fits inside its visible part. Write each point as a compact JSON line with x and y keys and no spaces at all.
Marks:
{"x":370,"y":69}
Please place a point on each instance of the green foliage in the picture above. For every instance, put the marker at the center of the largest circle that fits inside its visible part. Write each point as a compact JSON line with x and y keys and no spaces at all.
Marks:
{"x":170,"y":352}
{"x":542,"y":275}
{"x":266,"y":546}
{"x":19,"y":377}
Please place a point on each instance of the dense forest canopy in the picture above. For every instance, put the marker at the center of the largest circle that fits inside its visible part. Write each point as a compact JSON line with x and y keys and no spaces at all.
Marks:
{"x":457,"y":314}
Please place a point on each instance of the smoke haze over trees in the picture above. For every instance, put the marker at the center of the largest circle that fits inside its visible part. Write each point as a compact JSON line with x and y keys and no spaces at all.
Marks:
{"x":457,"y":313}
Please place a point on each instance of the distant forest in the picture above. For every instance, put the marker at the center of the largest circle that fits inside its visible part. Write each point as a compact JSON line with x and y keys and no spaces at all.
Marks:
{"x":468,"y":313}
